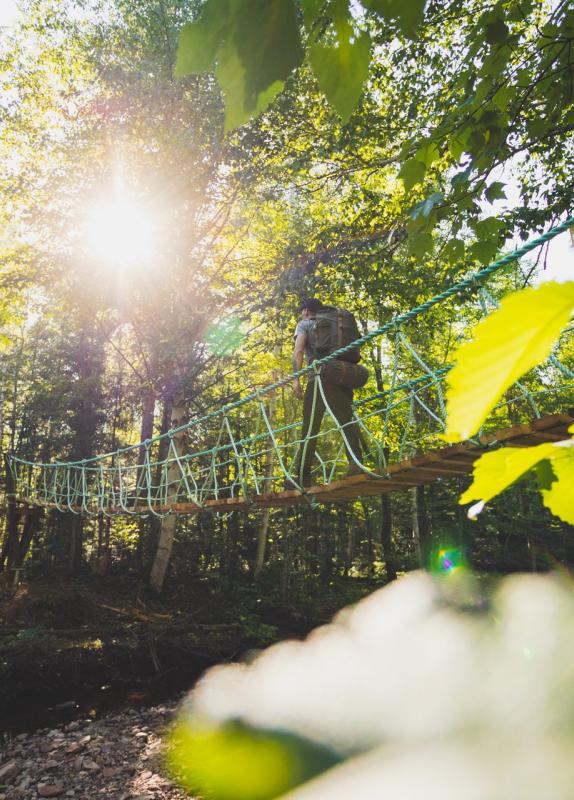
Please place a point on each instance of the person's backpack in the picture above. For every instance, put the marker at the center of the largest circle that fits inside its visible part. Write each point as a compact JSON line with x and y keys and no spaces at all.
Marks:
{"x":332,"y":329}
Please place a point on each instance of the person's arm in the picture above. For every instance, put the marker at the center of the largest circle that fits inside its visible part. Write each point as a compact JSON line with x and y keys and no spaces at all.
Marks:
{"x":298,"y":353}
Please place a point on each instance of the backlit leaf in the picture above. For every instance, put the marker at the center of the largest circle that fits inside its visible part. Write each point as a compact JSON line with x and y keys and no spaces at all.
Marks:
{"x":269,"y":50}
{"x":494,"y":472}
{"x":412,"y":172}
{"x":199,"y":41}
{"x":425,"y":207}
{"x":508,"y":343}
{"x":342,"y":70}
{"x":559,"y":498}
{"x":311,"y":10}
{"x":553,"y":463}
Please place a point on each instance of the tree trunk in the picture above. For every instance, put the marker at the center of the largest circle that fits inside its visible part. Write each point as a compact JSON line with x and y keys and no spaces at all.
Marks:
{"x":168,"y":524}
{"x":269,"y":464}
{"x":387,"y":537}
{"x":421,"y":529}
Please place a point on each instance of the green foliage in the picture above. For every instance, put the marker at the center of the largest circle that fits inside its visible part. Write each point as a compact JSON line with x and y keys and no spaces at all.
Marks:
{"x":507,"y":344}
{"x":341,"y":68}
{"x":406,"y":14}
{"x":553,"y":464}
{"x":238,"y":762}
{"x":251,"y":61}
{"x":254,"y":45}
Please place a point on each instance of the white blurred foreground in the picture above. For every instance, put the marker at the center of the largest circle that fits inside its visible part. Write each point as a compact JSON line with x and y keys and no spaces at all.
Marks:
{"x":426,"y":692}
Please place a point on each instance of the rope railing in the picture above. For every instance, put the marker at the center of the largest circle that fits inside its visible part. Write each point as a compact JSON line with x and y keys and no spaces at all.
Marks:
{"x":393,"y":423}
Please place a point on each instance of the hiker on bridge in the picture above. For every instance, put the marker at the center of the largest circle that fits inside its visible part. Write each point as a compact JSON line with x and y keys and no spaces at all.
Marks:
{"x":321,"y":331}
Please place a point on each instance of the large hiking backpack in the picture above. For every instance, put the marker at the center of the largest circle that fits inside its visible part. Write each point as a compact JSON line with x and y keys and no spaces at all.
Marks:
{"x":332,"y":329}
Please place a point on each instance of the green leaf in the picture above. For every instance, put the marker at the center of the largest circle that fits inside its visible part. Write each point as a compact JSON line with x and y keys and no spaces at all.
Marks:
{"x":425,"y":207}
{"x":495,"y":192}
{"x":508,"y":343}
{"x":342,"y":69}
{"x":494,"y":472}
{"x":558,"y":498}
{"x":420,"y":244}
{"x":461,"y":177}
{"x":408,"y":14}
{"x":497,"y":32}
{"x":269,"y":50}
{"x":412,"y":173}
{"x":199,"y":41}
{"x":231,"y":77}
{"x":311,"y":10}
{"x":488,"y":228}
{"x":428,"y":153}
{"x":454,"y":250}
{"x":238,"y":762}
{"x":483,"y":251}
{"x":552,"y":462}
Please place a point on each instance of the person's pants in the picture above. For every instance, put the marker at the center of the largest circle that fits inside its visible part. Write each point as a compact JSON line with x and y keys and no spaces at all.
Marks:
{"x":340,"y":400}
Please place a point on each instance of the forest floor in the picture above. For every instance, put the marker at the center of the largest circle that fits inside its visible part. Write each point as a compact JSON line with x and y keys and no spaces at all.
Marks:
{"x":79,"y":649}
{"x":113,"y":758}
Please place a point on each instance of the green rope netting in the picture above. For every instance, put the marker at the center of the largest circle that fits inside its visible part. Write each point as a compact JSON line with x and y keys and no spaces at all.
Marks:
{"x":249,"y":447}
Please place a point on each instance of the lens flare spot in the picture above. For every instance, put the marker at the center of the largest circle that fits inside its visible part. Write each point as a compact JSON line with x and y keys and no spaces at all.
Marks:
{"x":448,"y":561}
{"x":224,"y":337}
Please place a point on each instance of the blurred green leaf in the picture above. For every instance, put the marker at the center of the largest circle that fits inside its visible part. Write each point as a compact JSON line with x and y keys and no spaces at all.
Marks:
{"x":509,"y":342}
{"x":238,"y":762}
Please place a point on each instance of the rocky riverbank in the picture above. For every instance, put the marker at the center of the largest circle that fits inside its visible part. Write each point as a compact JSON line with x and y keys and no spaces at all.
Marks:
{"x":118,"y":757}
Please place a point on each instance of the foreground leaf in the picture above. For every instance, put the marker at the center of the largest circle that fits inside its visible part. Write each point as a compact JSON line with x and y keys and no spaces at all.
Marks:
{"x":559,"y":498}
{"x":554,"y":465}
{"x":494,"y":472}
{"x":512,"y":340}
{"x":341,"y":72}
{"x":237,"y":762}
{"x":199,"y":41}
{"x":269,"y":50}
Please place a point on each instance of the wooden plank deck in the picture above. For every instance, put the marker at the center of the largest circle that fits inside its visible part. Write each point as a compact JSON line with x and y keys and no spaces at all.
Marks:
{"x":451,"y":461}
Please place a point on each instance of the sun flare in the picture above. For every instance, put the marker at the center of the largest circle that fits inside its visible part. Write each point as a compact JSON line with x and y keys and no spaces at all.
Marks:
{"x":122,"y":234}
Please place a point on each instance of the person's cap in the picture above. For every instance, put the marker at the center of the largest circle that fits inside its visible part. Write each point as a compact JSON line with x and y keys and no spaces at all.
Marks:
{"x":311,"y":303}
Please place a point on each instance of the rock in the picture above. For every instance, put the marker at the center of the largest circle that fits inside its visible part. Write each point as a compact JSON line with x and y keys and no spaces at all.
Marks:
{"x":50,"y":789}
{"x":51,"y":764}
{"x":146,"y":775}
{"x":9,"y":771}
{"x":91,"y":765}
{"x":109,"y":772}
{"x":78,"y":763}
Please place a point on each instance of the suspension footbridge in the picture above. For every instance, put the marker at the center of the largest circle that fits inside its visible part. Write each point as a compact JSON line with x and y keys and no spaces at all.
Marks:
{"x":242,"y":454}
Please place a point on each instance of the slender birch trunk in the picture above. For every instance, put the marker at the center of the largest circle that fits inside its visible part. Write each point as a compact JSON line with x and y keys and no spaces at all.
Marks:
{"x":168,"y":524}
{"x":269,"y":464}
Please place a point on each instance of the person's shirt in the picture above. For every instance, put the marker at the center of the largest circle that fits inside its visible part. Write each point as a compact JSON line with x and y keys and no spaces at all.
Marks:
{"x":303,"y":326}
